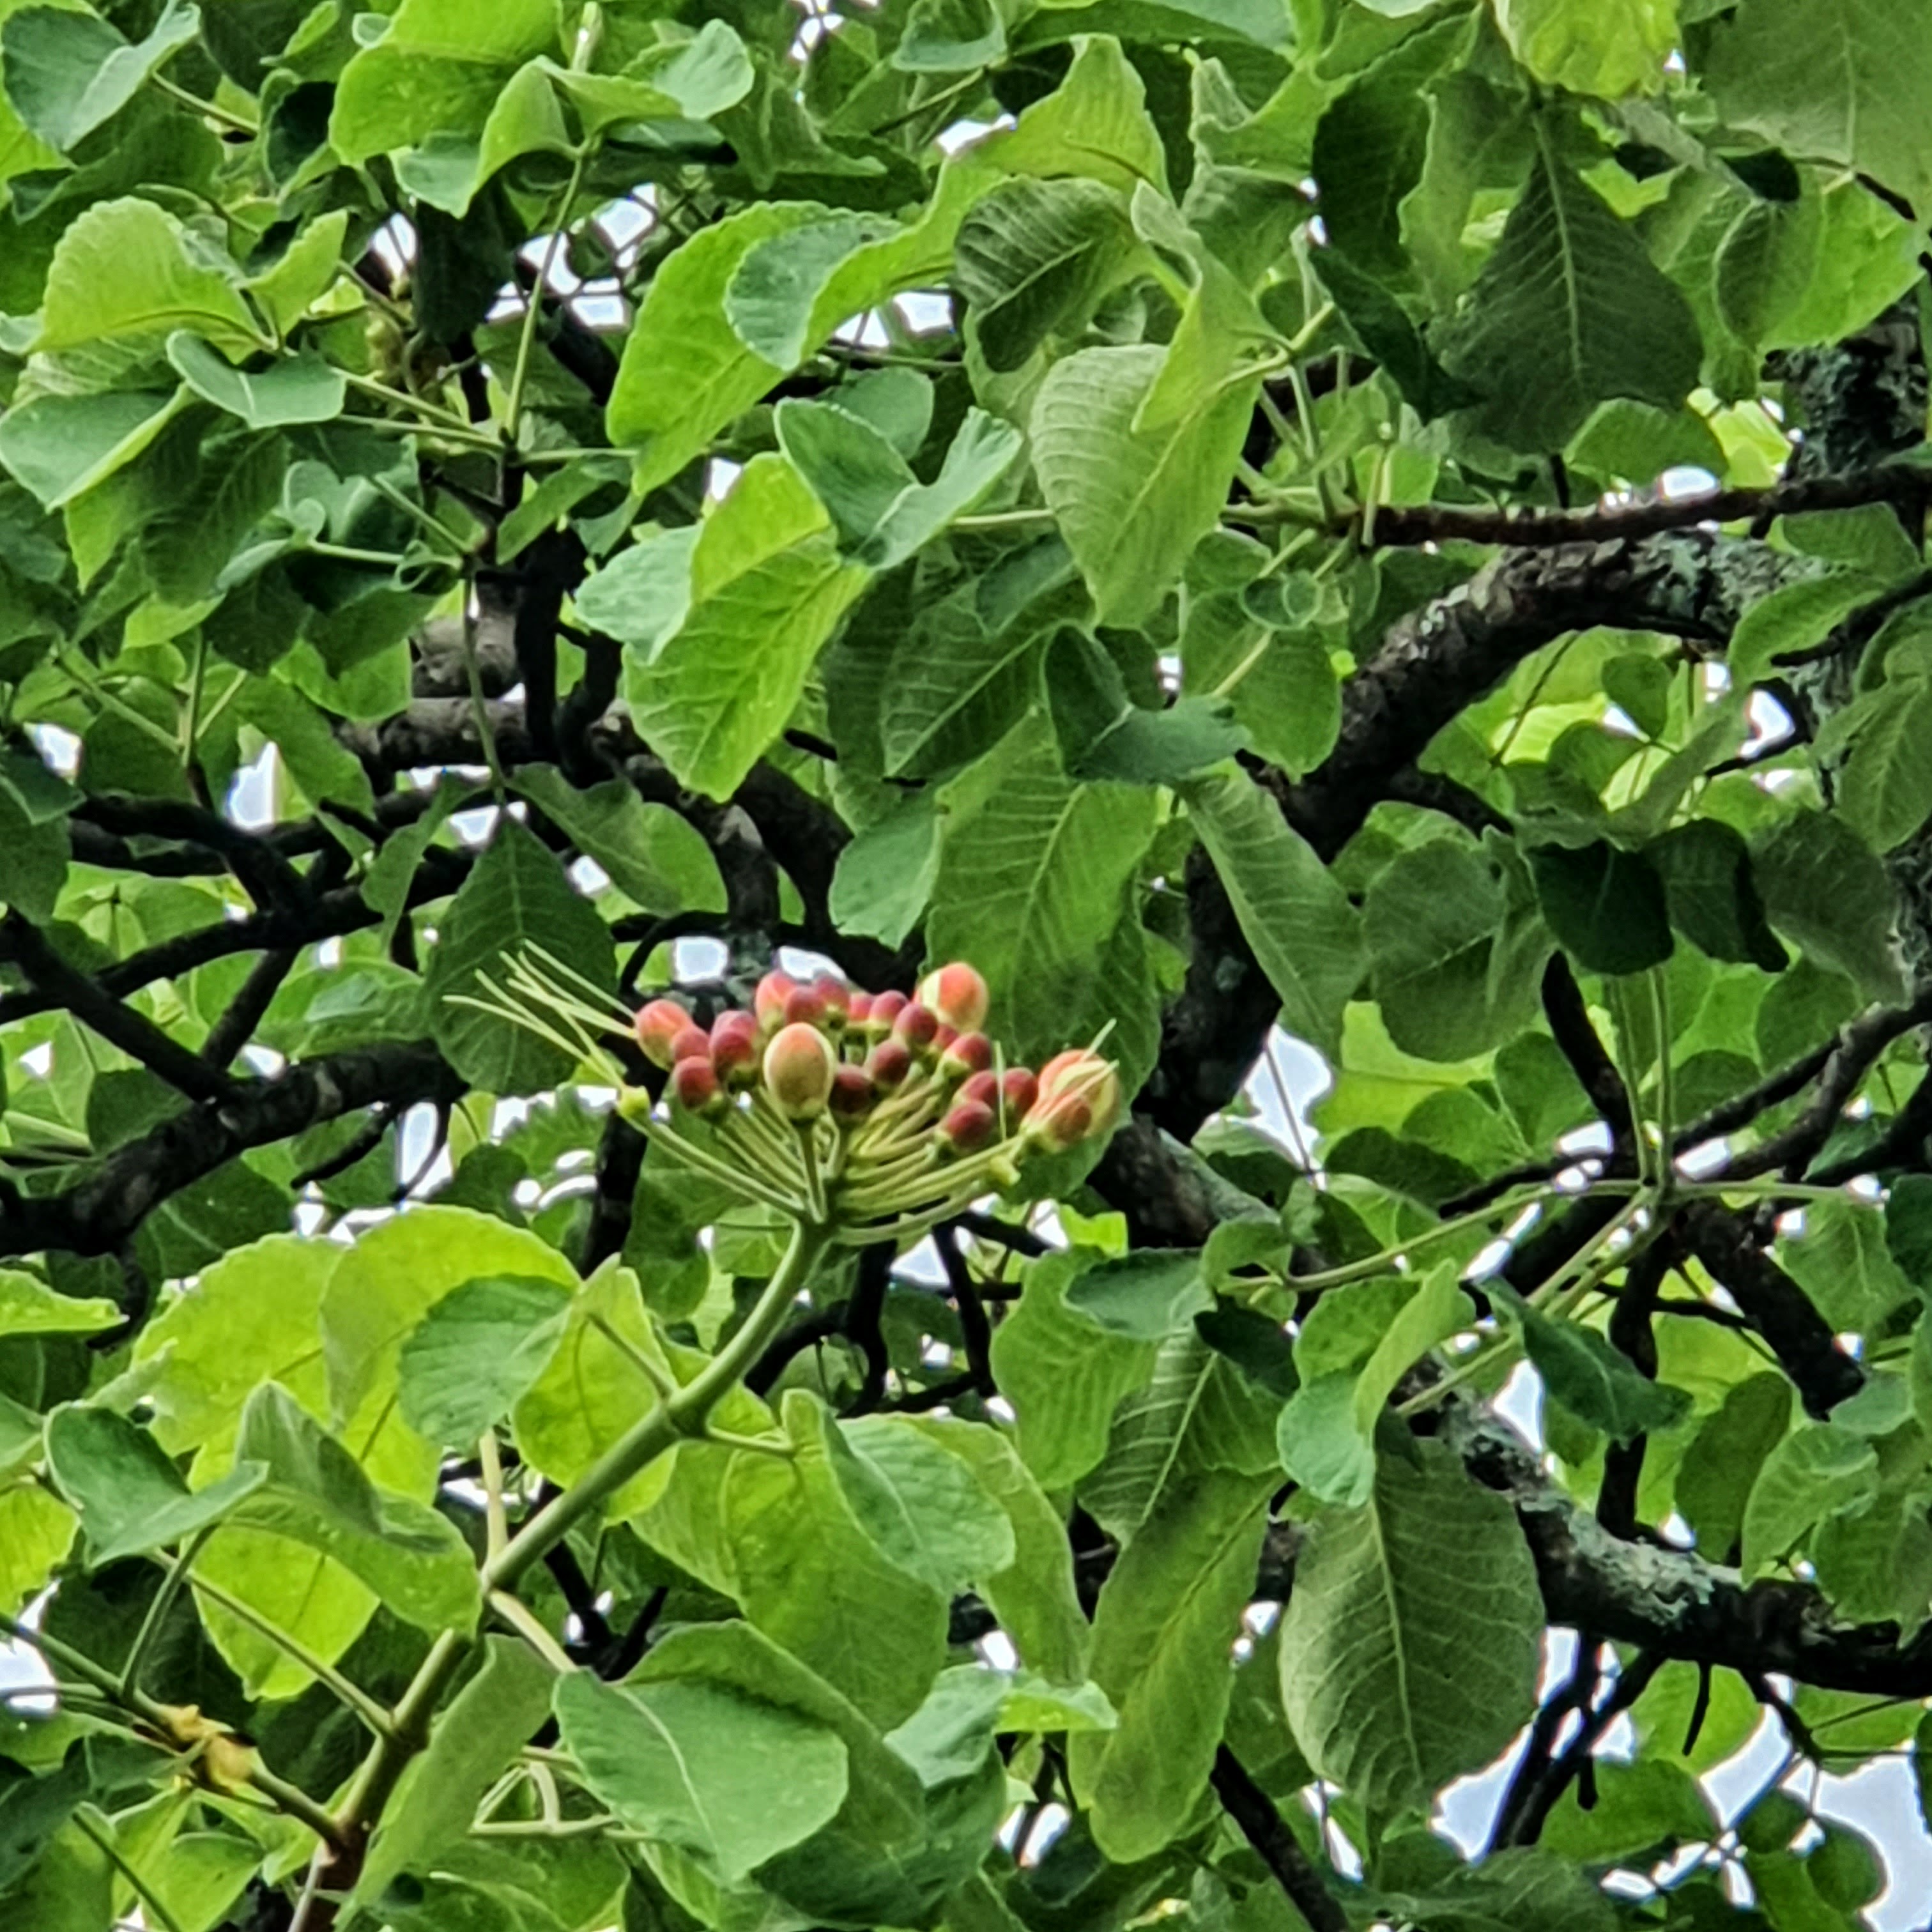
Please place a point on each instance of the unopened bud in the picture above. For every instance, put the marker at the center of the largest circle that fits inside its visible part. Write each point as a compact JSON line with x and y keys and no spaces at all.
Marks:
{"x":889,"y":1062}
{"x":835,"y":998}
{"x":958,"y":994}
{"x":659,"y":1023}
{"x":859,"y":1009}
{"x":768,"y":1001}
{"x":1079,"y":1095}
{"x":944,"y":1035}
{"x":969,"y":1125}
{"x":1020,"y":1089}
{"x":915,"y":1027}
{"x":805,"y":1005}
{"x":691,"y":1042}
{"x":800,"y":1068}
{"x":969,"y":1053}
{"x":983,"y":1087}
{"x":884,"y":1012}
{"x":852,"y":1094}
{"x":734,"y":1049}
{"x":694,"y":1083}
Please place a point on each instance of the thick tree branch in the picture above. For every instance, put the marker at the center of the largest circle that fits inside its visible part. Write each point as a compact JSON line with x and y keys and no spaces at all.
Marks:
{"x":1267,"y":1831}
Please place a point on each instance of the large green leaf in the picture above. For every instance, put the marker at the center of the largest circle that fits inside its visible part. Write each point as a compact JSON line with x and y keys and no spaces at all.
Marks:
{"x":730,"y":1779}
{"x":651,"y":854}
{"x":519,"y":894}
{"x":925,"y":1508}
{"x":476,"y":1352}
{"x":1616,"y":48}
{"x":1594,"y":1380}
{"x":1569,"y":311}
{"x":767,"y":585}
{"x":1132,"y":503}
{"x":1809,"y":1476}
{"x":1400,"y":1672}
{"x":1304,"y":932}
{"x":67,"y":72}
{"x":303,"y":389}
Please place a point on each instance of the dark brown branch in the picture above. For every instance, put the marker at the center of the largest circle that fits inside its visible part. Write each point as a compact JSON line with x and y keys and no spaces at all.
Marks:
{"x":1280,"y":1850}
{"x":975,"y":1330}
{"x":1576,"y":1036}
{"x":236,"y":1027}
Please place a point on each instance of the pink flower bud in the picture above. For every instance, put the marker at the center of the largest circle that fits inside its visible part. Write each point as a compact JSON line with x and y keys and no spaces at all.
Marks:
{"x":835,"y":998}
{"x":958,"y":994}
{"x":970,"y":1125}
{"x":969,"y":1053}
{"x":804,"y":1006}
{"x":768,"y":1002}
{"x":916,"y":1026}
{"x":943,"y":1037}
{"x":1079,"y":1095}
{"x":695,"y":1085}
{"x":1021,"y":1090}
{"x":886,"y":1008}
{"x":852,"y":1094}
{"x":983,"y":1087}
{"x":659,"y":1023}
{"x":858,"y":1010}
{"x":800,"y":1068}
{"x":691,"y":1042}
{"x":888,"y":1063}
{"x":734,"y":1049}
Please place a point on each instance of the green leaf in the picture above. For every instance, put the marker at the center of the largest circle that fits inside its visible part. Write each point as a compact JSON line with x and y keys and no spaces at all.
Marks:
{"x":36,"y":1531}
{"x":316,"y":1494}
{"x":1400,"y":1672}
{"x":1826,"y":891}
{"x":1712,"y":896}
{"x":1131,"y":503}
{"x":883,"y":512}
{"x":1722,"y":1462}
{"x":1841,"y":1260}
{"x":717,"y":1774}
{"x":471,"y":1744}
{"x":188,"y":545}
{"x":517,"y":894}
{"x":68,"y":73}
{"x":1095,"y":124}
{"x":1569,"y":310}
{"x":651,"y":855}
{"x":1306,"y":934}
{"x":1612,"y":49}
{"x":1810,"y":1476}
{"x":1606,"y":906}
{"x":1884,"y":792}
{"x":1451,"y":977}
{"x":1793,"y":618}
{"x":686,"y":372}
{"x":883,"y":880}
{"x":477,"y":1352}
{"x":1103,"y":734}
{"x":1032,"y":886}
{"x":766,"y":586}
{"x":1034,"y":1597}
{"x":1168,"y":1615}
{"x":1146,"y":1297}
{"x":27,"y":1306}
{"x":60,"y":447}
{"x":1064,"y":1374}
{"x":131,"y":1498}
{"x":126,"y":267}
{"x":925,"y":1508}
{"x":950,"y":36}
{"x":324,"y":768}
{"x":1034,"y":256}
{"x":303,"y":389}
{"x":438,"y":68}
{"x":1852,"y":84}
{"x":1594,"y":1380}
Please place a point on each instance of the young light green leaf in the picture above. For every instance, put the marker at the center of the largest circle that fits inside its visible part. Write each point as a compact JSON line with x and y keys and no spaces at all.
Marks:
{"x":1809,"y":1476}
{"x":1306,"y":935}
{"x":1794,"y":617}
{"x":1146,"y":1296}
{"x":1610,"y":50}
{"x":29,"y":1306}
{"x":925,"y":1508}
{"x":303,"y":389}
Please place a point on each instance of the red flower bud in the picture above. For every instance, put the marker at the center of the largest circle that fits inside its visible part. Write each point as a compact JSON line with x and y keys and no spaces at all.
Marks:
{"x":970,"y":1125}
{"x":944,"y":1037}
{"x":691,"y":1042}
{"x":836,"y":998}
{"x":1021,"y":1090}
{"x":888,"y":1063}
{"x":1079,"y":1095}
{"x":659,"y":1023}
{"x":968,"y":1053}
{"x":858,"y":1010}
{"x":983,"y":1087}
{"x":852,"y":1094}
{"x":916,"y":1026}
{"x":695,"y":1084}
{"x":805,"y":1005}
{"x":734,"y":1049}
{"x":886,"y":1008}
{"x":773,"y":990}
{"x":800,"y":1068}
{"x":958,"y":994}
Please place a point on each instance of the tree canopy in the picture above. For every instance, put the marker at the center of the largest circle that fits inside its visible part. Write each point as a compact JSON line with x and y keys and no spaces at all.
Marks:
{"x":983,"y":568}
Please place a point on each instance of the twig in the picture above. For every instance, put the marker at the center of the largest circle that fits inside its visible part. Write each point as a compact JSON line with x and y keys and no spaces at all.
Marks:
{"x":1267,"y":1831}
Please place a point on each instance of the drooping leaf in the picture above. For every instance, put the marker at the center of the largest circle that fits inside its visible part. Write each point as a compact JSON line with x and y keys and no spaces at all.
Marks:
{"x":476,"y":1352}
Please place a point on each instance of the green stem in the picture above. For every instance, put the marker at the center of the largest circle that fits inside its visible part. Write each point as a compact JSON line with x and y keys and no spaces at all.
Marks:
{"x":447,"y":420}
{"x":156,"y":1913}
{"x":665,"y":1385}
{"x":220,"y":116}
{"x":513,"y":409}
{"x":523,"y":1620}
{"x":163,"y":1601}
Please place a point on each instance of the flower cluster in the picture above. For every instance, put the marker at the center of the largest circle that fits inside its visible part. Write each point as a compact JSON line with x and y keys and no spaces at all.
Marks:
{"x":872,"y":1113}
